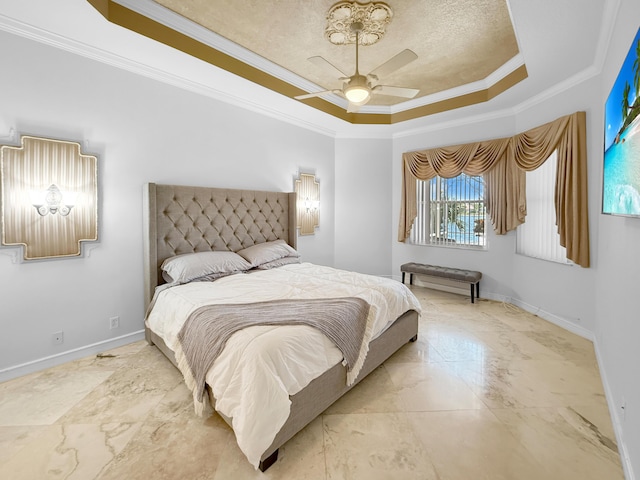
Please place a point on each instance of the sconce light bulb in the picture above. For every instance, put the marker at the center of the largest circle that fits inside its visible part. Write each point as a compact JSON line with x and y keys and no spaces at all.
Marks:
{"x":53,"y":202}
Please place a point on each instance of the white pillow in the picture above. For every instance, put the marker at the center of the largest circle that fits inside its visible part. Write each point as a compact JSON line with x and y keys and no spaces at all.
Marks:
{"x":192,"y":266}
{"x":267,"y":252}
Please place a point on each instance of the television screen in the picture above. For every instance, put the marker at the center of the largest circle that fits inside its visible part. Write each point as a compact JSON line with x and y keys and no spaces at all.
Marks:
{"x":621,"y":172}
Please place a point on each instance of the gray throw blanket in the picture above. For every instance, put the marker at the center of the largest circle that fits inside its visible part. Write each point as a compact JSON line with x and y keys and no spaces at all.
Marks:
{"x":206,"y":331}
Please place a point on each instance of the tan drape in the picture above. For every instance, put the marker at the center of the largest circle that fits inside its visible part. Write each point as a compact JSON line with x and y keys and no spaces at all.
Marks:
{"x":503,"y":163}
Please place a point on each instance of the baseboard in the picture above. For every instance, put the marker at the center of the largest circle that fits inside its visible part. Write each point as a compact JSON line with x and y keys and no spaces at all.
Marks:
{"x":68,"y":356}
{"x":615,"y":418}
{"x":555,"y":319}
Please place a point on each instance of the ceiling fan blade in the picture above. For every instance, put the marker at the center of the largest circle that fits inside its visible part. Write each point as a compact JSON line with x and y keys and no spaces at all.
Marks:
{"x":314,"y":94}
{"x":396,"y":91}
{"x":394,"y":63}
{"x":327,"y":66}
{"x":353,"y":108}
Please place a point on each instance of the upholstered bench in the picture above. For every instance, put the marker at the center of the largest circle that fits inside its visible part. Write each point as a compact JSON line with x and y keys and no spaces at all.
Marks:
{"x":469,"y":276}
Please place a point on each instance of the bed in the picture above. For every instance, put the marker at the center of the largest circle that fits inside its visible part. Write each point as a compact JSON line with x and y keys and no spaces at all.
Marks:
{"x":181,"y":221}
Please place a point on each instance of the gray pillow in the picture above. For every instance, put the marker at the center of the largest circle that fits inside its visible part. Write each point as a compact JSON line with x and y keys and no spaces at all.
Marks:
{"x":262,"y":253}
{"x":192,"y":266}
{"x":278,"y":263}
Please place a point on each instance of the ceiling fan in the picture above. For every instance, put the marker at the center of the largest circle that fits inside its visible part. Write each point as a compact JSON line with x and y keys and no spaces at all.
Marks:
{"x":357,"y":88}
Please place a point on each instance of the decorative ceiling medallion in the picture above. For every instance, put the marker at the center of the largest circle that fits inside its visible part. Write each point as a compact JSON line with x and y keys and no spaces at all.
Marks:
{"x":373,"y":16}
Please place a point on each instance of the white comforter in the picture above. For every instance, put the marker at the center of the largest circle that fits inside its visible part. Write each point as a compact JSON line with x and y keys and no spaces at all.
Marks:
{"x":261,"y":366}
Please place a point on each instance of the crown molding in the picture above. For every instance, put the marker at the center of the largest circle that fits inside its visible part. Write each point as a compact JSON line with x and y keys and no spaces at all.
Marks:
{"x":83,"y":49}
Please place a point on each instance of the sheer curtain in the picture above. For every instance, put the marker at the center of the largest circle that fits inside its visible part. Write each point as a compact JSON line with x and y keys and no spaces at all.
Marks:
{"x":503,"y":162}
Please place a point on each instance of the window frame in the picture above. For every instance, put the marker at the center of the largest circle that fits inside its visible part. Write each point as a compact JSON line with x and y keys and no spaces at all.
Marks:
{"x":422,"y":231}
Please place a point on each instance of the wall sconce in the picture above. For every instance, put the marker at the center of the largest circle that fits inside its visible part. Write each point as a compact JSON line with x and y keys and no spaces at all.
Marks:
{"x":53,"y":201}
{"x":49,"y":197}
{"x":308,"y":201}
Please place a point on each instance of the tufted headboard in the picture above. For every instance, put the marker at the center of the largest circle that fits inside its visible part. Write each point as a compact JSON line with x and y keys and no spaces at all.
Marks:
{"x":181,"y":219}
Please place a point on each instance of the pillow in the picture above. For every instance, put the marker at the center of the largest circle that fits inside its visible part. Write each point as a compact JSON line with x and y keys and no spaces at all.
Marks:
{"x":279,"y":262}
{"x":191,"y":266}
{"x":262,"y":253}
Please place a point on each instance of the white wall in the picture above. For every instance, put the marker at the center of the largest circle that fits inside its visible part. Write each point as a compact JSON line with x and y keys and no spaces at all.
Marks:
{"x":142,"y":131}
{"x":617,"y":327}
{"x":567,"y":292}
{"x":363,"y":200}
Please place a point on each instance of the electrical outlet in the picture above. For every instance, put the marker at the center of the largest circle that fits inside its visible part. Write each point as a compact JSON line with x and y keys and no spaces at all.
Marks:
{"x":114,"y":322}
{"x":57,"y":338}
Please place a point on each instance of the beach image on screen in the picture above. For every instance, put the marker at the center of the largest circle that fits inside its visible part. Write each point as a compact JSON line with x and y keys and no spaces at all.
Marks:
{"x":621,"y":173}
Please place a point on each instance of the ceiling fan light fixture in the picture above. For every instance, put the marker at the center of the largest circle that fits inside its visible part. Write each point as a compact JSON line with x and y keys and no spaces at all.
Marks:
{"x":364,"y":25}
{"x":357,"y":94}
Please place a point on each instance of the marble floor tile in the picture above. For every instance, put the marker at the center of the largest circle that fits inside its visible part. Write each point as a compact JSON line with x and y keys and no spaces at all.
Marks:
{"x":375,"y":394}
{"x":301,"y":458}
{"x":517,"y":318}
{"x":43,"y":398}
{"x":455,"y":344}
{"x":564,"y":383}
{"x":374,"y":446}
{"x":430,"y":387}
{"x":475,"y":322}
{"x":15,"y":438}
{"x":516,"y":346}
{"x":498,"y":383}
{"x":487,"y":392}
{"x":171,"y":450}
{"x":474,"y":444}
{"x":127,"y":395}
{"x":568,"y":346}
{"x":420,"y":351}
{"x":507,"y":383}
{"x":74,"y":452}
{"x":569,"y":443}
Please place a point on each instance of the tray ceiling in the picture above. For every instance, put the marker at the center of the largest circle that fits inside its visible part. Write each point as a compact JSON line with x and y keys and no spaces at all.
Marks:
{"x":467,"y":49}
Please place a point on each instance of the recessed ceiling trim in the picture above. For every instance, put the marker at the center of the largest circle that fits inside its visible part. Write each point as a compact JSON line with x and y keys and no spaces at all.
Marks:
{"x":149,"y":19}
{"x":463,"y":100}
{"x":167,"y":17}
{"x":487,"y":83}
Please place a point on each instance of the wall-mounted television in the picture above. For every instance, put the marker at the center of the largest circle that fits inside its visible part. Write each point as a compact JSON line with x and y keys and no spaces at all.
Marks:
{"x":621,"y":172}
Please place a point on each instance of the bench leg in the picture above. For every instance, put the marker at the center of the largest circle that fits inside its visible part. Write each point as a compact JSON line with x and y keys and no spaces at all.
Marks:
{"x":402,"y":277}
{"x":477,"y":291}
{"x":411,"y":279}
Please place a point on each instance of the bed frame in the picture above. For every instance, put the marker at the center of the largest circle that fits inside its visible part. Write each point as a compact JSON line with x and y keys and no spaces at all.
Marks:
{"x":181,"y":219}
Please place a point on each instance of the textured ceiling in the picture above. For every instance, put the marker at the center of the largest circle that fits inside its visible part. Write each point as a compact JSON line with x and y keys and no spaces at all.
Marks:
{"x":458,"y":42}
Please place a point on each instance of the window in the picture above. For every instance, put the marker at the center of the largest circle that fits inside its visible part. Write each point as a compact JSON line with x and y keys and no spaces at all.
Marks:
{"x":538,"y":237}
{"x":451,"y":212}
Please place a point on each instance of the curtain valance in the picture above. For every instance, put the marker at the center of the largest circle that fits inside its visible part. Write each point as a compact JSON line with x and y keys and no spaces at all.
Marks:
{"x":503,"y":163}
